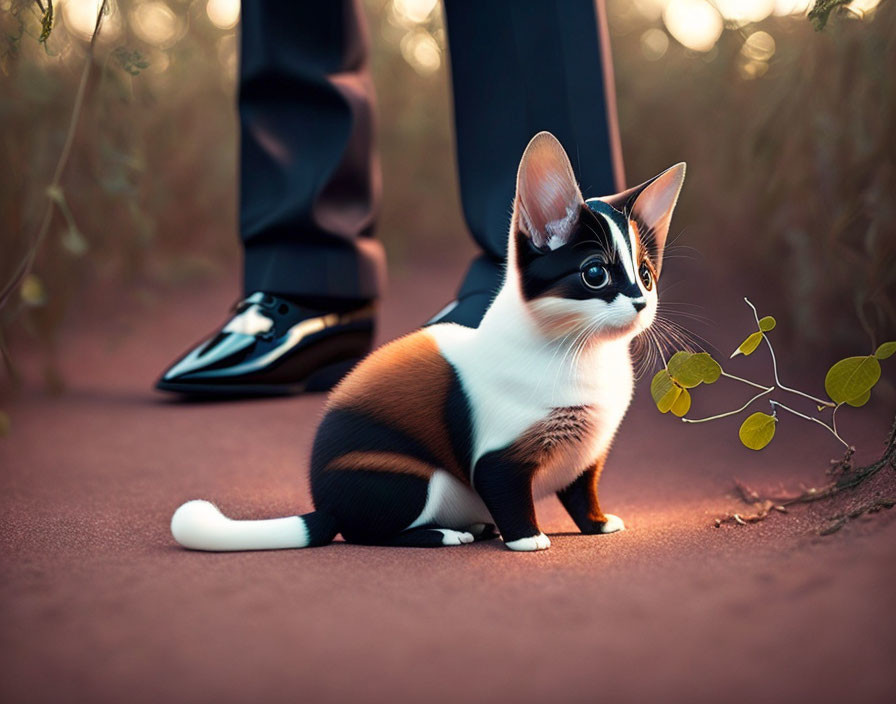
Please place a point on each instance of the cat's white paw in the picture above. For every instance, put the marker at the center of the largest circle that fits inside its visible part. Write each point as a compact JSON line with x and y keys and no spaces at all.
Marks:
{"x":455,"y":537}
{"x":614,"y":524}
{"x":536,"y":542}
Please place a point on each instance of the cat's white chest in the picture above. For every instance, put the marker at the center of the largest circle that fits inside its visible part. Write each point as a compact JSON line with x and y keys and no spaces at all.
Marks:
{"x":518,"y":391}
{"x":579,"y":435}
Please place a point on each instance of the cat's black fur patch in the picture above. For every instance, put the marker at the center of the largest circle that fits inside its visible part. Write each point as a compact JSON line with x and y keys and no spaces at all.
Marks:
{"x":580,"y":501}
{"x":558,"y":272}
{"x":505,"y":485}
{"x":321,"y":527}
{"x":370,"y":508}
{"x":342,"y":431}
{"x":418,"y":538}
{"x":459,"y":422}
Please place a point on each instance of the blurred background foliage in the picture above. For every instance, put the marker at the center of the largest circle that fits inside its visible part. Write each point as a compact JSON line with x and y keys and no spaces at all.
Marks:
{"x":788,"y":134}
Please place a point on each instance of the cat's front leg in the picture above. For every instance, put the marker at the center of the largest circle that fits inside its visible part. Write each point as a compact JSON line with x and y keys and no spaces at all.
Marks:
{"x":580,"y":501}
{"x":505,"y":485}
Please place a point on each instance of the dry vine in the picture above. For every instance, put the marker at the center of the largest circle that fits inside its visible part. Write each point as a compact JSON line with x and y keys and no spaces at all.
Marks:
{"x":54,"y":190}
{"x":846,"y":477}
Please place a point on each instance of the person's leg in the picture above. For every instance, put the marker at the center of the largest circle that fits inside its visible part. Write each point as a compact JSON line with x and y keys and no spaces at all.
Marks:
{"x":518,"y":68}
{"x":309,"y":190}
{"x":309,"y":178}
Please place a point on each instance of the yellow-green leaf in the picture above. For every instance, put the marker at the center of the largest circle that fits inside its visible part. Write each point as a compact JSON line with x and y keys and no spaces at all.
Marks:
{"x":767,"y":324}
{"x":667,"y":401}
{"x":664,"y":391}
{"x":74,"y":241}
{"x":749,"y":345}
{"x":887,"y":349}
{"x":690,"y":370}
{"x":850,"y":378}
{"x":32,"y":291}
{"x":710,"y":370}
{"x":660,"y":384}
{"x":757,"y":431}
{"x":4,"y":424}
{"x":677,"y":359}
{"x":860,"y":400}
{"x":681,"y":371}
{"x":682,"y":403}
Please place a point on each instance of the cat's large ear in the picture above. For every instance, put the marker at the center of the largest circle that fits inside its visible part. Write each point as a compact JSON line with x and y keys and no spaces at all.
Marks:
{"x":547,"y":196}
{"x":650,"y":205}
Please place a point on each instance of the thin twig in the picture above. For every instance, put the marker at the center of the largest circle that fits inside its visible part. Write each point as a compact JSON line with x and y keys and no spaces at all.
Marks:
{"x":732,"y":413}
{"x":837,"y":522}
{"x":27,"y":262}
{"x":848,"y":479}
{"x":746,"y":381}
{"x":814,"y":420}
{"x":834,"y":418}
{"x":771,"y":350}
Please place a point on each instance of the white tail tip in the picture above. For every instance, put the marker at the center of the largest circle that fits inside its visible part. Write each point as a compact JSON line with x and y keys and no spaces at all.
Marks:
{"x":194,"y":522}
{"x":200,"y":525}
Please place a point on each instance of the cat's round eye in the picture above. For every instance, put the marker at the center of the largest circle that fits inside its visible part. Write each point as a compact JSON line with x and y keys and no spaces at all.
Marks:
{"x":595,"y":276}
{"x":646,"y":276}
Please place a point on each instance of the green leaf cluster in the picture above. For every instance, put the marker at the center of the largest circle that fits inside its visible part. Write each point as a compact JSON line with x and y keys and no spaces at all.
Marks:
{"x":850,"y":380}
{"x":685,"y":370}
{"x":46,"y":24}
{"x":132,"y":62}
{"x":821,"y":12}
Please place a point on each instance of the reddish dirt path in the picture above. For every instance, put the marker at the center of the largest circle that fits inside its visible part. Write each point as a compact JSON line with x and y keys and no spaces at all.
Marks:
{"x":99,"y":605}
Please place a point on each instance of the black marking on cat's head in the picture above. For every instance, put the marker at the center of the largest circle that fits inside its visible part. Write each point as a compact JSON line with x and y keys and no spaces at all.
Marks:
{"x":592,"y":242}
{"x":596,"y":250}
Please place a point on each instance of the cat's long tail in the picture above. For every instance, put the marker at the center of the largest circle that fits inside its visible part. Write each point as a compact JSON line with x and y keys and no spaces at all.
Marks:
{"x":199,"y":525}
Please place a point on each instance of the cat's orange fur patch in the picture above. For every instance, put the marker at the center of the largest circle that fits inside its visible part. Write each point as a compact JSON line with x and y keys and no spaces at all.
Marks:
{"x":381,"y":462}
{"x":553,"y":314}
{"x":594,"y":512}
{"x":405,"y":384}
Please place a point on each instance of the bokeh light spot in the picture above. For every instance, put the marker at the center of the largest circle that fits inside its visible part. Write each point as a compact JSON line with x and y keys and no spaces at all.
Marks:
{"x":759,"y":46}
{"x":413,"y":11}
{"x":753,"y":69}
{"x":654,"y":43}
{"x":650,"y":9}
{"x":224,"y":14}
{"x":863,"y":7}
{"x":420,"y":49}
{"x":745,"y":11}
{"x":694,"y":23}
{"x":792,"y":7}
{"x":80,"y":18}
{"x":155,"y":23}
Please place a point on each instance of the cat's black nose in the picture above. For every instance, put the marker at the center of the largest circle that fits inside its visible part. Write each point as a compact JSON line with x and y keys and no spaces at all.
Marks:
{"x":639,"y":304}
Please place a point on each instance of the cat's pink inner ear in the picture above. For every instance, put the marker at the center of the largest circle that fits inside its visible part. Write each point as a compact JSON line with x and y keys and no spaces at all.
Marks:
{"x":654,"y":205}
{"x":548,"y":197}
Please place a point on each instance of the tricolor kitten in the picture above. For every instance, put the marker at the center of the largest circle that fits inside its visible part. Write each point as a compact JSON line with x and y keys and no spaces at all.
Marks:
{"x":436,"y":438}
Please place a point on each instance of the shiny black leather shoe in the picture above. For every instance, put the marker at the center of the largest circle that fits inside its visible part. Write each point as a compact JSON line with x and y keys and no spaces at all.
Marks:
{"x":467,"y":311}
{"x":477,"y":291}
{"x":272,"y":346}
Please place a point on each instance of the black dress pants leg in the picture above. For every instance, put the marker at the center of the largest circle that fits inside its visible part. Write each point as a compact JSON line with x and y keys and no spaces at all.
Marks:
{"x":519,"y":67}
{"x":309,"y":178}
